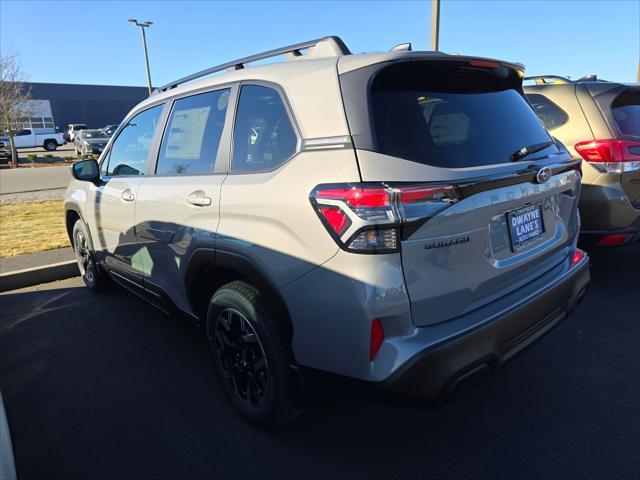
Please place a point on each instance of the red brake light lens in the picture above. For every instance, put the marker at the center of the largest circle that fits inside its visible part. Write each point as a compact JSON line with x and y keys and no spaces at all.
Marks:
{"x":611,"y":155}
{"x":336,"y":218}
{"x":358,"y":197}
{"x":377,"y":337}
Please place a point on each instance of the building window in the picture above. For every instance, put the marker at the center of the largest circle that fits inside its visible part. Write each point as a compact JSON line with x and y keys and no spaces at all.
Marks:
{"x":36,"y":122}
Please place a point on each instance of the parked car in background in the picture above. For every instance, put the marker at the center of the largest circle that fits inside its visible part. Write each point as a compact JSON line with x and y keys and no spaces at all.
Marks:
{"x":90,"y":141}
{"x":109,"y":129}
{"x":5,"y":148}
{"x":398,"y":218}
{"x":599,"y":121}
{"x":74,"y":128}
{"x":25,"y":138}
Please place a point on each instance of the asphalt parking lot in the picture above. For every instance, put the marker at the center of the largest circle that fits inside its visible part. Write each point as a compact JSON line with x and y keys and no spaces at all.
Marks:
{"x":104,"y":386}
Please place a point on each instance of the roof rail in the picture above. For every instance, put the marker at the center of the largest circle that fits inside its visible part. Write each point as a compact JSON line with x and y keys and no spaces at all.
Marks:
{"x":540,"y":79}
{"x":331,"y":44}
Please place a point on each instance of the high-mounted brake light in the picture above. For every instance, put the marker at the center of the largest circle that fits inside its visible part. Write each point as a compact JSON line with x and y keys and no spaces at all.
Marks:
{"x":611,"y":155}
{"x":484,"y":64}
{"x":366,"y":218}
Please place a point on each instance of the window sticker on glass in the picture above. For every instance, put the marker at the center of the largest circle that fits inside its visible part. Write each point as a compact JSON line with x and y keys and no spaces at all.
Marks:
{"x":187,"y":132}
{"x":223,"y":101}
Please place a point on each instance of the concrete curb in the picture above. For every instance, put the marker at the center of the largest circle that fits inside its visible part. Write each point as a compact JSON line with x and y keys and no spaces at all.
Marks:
{"x":36,"y":275}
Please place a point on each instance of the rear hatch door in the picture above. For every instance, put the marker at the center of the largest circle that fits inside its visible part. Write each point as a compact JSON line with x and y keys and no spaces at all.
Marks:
{"x":454,"y":123}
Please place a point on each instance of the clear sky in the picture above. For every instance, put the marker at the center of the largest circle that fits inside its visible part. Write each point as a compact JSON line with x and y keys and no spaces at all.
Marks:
{"x":91,"y":41}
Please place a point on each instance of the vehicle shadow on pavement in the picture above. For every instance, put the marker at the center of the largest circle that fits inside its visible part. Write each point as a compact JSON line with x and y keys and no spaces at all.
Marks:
{"x":105,"y":386}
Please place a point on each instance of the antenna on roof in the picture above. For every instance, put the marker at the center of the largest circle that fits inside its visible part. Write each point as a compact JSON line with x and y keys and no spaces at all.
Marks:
{"x":402,"y":47}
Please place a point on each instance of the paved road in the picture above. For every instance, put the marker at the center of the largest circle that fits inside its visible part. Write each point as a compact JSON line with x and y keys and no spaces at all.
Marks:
{"x":104,"y":386}
{"x":32,"y":179}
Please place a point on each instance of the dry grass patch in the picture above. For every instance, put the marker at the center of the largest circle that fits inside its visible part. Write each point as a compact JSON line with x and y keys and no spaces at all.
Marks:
{"x":32,"y":227}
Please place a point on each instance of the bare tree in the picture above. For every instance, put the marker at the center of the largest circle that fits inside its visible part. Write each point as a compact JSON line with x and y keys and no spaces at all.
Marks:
{"x":14,"y":96}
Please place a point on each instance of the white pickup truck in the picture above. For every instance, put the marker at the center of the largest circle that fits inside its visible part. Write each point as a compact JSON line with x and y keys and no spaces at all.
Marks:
{"x":27,"y":139}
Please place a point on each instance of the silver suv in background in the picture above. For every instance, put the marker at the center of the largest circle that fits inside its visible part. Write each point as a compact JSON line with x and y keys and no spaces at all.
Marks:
{"x":397,"y":218}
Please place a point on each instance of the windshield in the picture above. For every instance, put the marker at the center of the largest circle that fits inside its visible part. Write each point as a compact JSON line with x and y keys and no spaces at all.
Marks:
{"x":94,"y":134}
{"x":450,"y":115}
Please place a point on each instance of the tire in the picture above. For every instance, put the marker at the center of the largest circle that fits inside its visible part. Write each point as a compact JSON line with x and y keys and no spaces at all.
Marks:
{"x":50,"y":145}
{"x":252,"y":368}
{"x":92,"y":275}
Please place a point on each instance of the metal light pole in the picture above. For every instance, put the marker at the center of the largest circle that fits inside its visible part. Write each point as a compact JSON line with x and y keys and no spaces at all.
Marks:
{"x":142,"y":26}
{"x":435,"y":24}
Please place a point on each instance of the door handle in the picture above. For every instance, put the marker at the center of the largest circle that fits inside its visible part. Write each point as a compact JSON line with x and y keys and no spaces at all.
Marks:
{"x":127,"y":196}
{"x":199,"y":199}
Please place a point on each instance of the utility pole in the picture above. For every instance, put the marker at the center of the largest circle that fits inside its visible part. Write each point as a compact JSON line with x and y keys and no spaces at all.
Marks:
{"x":435,"y":24}
{"x":142,"y":26}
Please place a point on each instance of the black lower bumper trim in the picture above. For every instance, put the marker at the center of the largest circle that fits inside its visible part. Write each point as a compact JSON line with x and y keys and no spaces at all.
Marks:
{"x":436,"y":374}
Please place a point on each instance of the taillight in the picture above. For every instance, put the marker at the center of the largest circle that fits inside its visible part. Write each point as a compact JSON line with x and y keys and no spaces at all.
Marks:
{"x":611,"y":155}
{"x":367,"y":218}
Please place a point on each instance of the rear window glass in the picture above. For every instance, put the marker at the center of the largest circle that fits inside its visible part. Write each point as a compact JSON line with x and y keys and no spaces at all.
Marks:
{"x":550,"y":114}
{"x":626,"y":113}
{"x":451,"y":117}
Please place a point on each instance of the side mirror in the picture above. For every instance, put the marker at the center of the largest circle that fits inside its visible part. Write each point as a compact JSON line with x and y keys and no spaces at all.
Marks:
{"x":86,"y":171}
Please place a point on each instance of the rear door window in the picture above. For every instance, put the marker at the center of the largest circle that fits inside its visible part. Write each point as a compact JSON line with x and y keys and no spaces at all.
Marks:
{"x":449,"y":115}
{"x":264,"y":137}
{"x":550,"y":114}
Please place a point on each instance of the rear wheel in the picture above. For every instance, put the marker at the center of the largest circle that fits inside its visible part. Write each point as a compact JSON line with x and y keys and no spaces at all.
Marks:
{"x":90,"y":271}
{"x":50,"y":145}
{"x":250,"y":354}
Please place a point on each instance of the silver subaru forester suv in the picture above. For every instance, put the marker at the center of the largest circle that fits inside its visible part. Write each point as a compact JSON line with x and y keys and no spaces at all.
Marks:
{"x":399,"y":218}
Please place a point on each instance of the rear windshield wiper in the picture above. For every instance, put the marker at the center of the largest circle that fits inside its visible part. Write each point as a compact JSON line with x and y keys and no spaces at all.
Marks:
{"x":526,"y":151}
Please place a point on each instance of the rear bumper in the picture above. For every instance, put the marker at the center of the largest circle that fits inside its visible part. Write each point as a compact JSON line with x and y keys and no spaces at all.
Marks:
{"x":607,"y":208}
{"x":437,"y":372}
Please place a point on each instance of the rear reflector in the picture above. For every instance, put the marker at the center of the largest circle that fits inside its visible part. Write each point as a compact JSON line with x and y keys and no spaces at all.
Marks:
{"x":614,"y":239}
{"x":611,"y":155}
{"x":377,"y":337}
{"x":577,"y":257}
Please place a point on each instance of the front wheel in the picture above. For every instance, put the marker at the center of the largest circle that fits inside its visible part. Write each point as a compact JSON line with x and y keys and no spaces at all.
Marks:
{"x":250,"y":354}
{"x":89,"y":269}
{"x":50,"y":145}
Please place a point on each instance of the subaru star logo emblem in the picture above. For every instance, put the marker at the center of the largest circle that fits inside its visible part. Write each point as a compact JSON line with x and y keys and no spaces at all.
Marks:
{"x":543,"y":175}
